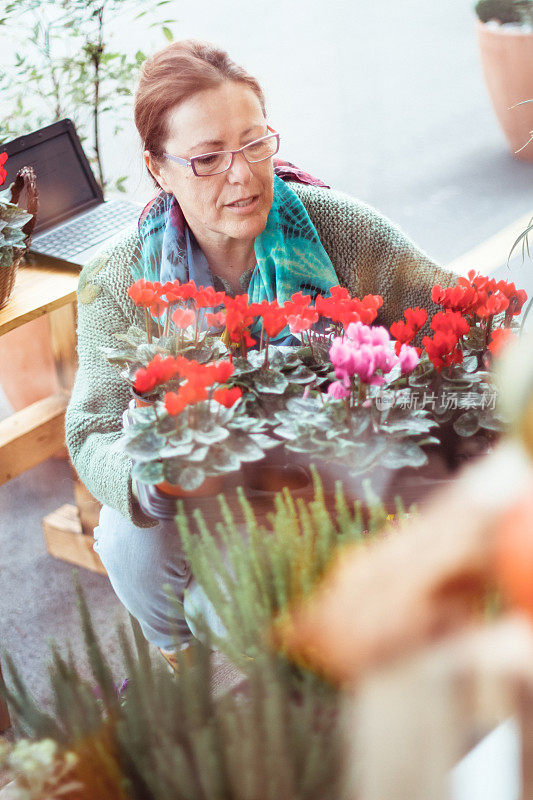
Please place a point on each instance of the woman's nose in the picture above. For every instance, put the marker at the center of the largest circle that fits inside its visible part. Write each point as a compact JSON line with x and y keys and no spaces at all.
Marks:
{"x":240,"y":170}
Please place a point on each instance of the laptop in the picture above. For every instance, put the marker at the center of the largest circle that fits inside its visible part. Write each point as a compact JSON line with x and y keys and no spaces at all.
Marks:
{"x":73,"y":222}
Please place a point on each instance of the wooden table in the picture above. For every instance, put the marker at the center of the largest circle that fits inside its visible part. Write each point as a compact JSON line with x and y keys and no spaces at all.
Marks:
{"x":33,"y":434}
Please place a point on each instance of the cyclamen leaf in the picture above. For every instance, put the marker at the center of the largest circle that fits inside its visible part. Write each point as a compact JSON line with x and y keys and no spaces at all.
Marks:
{"x":222,"y":459}
{"x":301,"y":375}
{"x":492,"y":421}
{"x":244,"y":447}
{"x":404,"y":454}
{"x":150,"y":472}
{"x":467,"y":424}
{"x":175,"y":450}
{"x":198,"y":454}
{"x":298,"y":405}
{"x":144,"y":446}
{"x":211,"y":436}
{"x":263,"y":441}
{"x":271,"y":381}
{"x":6,"y":256}
{"x":133,"y":336}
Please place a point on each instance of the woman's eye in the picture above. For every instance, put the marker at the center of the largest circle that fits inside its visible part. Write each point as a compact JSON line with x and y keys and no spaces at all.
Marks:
{"x":207,"y":161}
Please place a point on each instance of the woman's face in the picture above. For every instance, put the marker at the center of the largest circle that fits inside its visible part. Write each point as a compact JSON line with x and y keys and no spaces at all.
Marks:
{"x":224,"y":118}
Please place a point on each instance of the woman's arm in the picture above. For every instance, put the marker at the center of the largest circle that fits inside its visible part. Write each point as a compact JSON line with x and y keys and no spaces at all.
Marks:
{"x":371,"y":255}
{"x":93,"y":421}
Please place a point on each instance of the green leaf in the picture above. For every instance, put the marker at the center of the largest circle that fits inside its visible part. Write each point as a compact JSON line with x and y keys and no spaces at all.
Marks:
{"x":467,"y":424}
{"x":145,"y":446}
{"x":403,"y":454}
{"x":492,"y":421}
{"x":142,"y":415}
{"x":454,"y":384}
{"x":470,"y":363}
{"x":244,"y":447}
{"x":221,"y":459}
{"x":300,"y":405}
{"x":270,"y":381}
{"x":191,"y":478}
{"x":198,"y":453}
{"x":212,"y":435}
{"x":176,"y":450}
{"x":301,"y":375}
{"x":133,"y":336}
{"x":170,"y":36}
{"x":150,"y":472}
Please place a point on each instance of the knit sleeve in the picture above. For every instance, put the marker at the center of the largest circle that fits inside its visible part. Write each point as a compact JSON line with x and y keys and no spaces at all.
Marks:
{"x":93,"y":420}
{"x":371,"y":255}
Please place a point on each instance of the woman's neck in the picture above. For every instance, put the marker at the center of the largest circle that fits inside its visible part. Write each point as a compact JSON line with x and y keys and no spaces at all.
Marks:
{"x":228,"y":259}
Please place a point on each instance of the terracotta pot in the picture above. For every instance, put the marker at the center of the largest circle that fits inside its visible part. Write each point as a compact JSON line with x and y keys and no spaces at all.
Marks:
{"x":142,"y":403}
{"x":275,"y":477}
{"x":27,"y":369}
{"x":507,"y":61}
{"x":211,"y":486}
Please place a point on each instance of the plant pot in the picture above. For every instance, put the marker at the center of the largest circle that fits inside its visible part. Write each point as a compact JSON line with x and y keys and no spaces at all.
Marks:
{"x":141,"y":401}
{"x":27,"y":368}
{"x":211,"y":486}
{"x":265,"y":477}
{"x":456,"y":450}
{"x":507,"y":61}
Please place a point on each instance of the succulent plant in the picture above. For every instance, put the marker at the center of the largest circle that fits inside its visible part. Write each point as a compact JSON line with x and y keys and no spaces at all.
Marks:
{"x":504,"y":11}
{"x":12,"y":237}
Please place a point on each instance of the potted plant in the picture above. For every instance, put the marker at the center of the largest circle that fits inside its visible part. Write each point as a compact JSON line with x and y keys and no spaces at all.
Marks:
{"x":386,"y":399}
{"x":198,"y":432}
{"x":505,"y":34}
{"x":16,"y":225}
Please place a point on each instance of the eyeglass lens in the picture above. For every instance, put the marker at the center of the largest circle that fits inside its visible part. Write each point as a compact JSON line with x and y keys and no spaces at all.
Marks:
{"x":213,"y":163}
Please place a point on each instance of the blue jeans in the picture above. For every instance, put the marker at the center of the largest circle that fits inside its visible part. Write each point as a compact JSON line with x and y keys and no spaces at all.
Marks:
{"x":140,"y":562}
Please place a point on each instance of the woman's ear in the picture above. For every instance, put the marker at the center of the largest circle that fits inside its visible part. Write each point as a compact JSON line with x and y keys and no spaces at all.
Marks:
{"x":155,"y":170}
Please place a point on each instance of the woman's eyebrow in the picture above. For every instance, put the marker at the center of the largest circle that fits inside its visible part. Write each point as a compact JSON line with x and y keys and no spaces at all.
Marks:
{"x":219,"y":142}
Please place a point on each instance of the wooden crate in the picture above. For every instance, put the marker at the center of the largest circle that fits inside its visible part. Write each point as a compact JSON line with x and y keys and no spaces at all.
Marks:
{"x":65,"y":539}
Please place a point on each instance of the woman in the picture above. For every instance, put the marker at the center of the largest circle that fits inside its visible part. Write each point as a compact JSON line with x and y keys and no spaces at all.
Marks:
{"x":226,"y":215}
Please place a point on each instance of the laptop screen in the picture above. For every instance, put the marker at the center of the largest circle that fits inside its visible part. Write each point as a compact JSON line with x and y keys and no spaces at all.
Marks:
{"x":65,"y":181}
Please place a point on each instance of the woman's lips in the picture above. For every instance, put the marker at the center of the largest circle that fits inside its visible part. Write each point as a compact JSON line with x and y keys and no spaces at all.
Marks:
{"x":245,"y":205}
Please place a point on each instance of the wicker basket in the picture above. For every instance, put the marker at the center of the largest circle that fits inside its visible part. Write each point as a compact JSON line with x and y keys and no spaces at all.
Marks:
{"x":24,"y":179}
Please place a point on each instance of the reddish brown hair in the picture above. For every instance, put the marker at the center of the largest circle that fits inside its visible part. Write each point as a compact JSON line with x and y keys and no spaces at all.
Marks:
{"x":174,"y":74}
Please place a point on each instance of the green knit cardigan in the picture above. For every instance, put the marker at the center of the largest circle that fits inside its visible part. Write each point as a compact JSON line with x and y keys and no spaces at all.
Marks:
{"x":370,"y":256}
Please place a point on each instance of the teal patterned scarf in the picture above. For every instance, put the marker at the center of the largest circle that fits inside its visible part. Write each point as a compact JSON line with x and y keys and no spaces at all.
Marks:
{"x":290,"y":255}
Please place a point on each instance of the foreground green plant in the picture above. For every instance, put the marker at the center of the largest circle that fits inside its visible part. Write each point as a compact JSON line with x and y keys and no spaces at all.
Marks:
{"x":173,"y":737}
{"x":250,"y":573}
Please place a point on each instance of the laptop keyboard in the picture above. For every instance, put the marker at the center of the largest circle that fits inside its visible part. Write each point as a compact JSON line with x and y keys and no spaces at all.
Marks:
{"x":84,"y":232}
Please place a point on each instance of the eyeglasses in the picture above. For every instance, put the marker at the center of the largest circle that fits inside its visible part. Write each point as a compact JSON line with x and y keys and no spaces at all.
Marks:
{"x":215,"y":163}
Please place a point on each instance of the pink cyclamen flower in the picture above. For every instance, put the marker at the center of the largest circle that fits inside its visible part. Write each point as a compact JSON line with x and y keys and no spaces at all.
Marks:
{"x":380,"y":336}
{"x":385,"y":358}
{"x":365,"y":363}
{"x":338,"y":390}
{"x":409,"y":358}
{"x":342,"y":353}
{"x":359,"y":333}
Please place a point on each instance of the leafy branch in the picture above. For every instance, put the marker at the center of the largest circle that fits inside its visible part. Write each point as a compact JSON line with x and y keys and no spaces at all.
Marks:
{"x":66,"y":67}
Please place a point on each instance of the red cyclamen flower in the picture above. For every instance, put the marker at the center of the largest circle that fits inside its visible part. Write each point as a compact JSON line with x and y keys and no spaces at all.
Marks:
{"x":405,"y":332}
{"x":501,"y":338}
{"x":183,"y":317}
{"x":3,"y":172}
{"x":227,"y":397}
{"x":143,"y":293}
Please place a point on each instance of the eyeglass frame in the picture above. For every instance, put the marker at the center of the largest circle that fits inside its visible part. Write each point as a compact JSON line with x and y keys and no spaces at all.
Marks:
{"x":190,"y":163}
